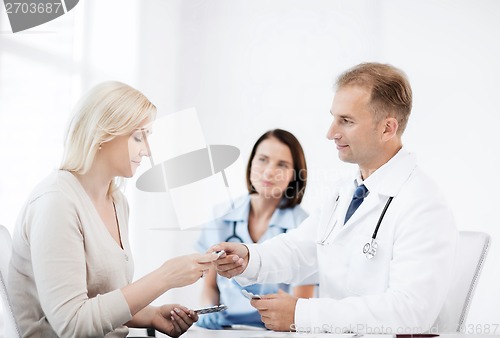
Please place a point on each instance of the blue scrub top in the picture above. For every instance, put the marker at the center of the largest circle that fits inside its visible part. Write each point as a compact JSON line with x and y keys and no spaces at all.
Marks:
{"x":239,"y":309}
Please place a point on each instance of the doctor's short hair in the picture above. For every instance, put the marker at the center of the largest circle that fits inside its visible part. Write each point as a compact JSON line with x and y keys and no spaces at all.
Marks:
{"x":296,"y":188}
{"x":108,"y":110}
{"x":391,"y":94}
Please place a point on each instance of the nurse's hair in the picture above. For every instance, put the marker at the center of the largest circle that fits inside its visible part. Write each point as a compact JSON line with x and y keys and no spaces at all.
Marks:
{"x":390,"y":90}
{"x":108,"y":110}
{"x":296,"y":188}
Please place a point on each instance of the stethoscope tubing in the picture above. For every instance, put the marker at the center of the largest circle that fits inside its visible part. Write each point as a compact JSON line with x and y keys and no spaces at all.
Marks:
{"x":370,"y":248}
{"x":234,"y":235}
{"x":382,"y":217}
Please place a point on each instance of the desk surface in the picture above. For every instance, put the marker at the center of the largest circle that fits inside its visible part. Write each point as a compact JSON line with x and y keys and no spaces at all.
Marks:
{"x":271,"y":334}
{"x":264,"y":334}
{"x":197,"y":332}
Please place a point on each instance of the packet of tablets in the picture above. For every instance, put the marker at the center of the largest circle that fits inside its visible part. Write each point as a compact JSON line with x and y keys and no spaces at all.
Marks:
{"x":250,"y":295}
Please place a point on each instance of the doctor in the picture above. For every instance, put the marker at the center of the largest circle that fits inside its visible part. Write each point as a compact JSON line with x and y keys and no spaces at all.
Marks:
{"x":383,"y":246}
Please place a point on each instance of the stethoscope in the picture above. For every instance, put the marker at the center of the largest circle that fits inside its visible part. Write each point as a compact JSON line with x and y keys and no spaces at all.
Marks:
{"x":370,"y":248}
{"x":235,"y":238}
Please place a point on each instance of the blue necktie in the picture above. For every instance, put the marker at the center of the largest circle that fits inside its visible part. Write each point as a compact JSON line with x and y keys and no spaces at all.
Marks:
{"x":359,"y":195}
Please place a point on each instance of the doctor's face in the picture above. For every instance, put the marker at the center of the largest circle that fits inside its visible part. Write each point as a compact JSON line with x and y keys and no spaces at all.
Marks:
{"x":356,"y":135}
{"x":272,"y":168}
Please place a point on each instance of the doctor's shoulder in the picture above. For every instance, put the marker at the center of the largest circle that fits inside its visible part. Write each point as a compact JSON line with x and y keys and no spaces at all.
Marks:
{"x":422,"y":188}
{"x":421,"y":203}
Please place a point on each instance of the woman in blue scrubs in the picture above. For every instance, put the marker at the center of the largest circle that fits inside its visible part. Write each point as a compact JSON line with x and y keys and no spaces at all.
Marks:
{"x":276,"y":179}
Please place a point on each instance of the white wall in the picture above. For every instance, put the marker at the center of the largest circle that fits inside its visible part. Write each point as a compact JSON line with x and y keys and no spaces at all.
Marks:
{"x":249,"y":66}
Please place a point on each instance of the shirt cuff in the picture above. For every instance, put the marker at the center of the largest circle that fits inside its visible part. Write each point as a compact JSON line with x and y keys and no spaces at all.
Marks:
{"x":302,"y":315}
{"x":249,"y":276}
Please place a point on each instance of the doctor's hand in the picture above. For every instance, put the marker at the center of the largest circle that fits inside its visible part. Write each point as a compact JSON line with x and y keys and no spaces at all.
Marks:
{"x":233,"y":262}
{"x":277,"y":311}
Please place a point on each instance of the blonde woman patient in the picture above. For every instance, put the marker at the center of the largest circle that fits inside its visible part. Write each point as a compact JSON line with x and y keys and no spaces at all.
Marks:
{"x":71,"y":269}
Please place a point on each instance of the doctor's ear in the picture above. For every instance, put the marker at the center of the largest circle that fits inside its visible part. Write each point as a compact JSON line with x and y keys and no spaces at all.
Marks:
{"x":390,"y":128}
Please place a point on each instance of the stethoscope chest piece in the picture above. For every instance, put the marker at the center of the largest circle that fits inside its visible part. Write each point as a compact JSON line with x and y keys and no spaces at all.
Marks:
{"x":370,"y":249}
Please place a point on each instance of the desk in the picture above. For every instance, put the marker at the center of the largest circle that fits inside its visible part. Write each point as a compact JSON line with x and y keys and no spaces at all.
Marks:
{"x":265,"y":334}
{"x":271,"y":334}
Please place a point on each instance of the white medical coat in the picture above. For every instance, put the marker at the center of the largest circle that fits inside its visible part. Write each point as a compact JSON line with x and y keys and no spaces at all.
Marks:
{"x":401,"y":289}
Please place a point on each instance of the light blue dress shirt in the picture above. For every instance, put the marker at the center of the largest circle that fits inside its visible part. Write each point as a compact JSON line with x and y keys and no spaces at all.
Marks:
{"x":239,"y":309}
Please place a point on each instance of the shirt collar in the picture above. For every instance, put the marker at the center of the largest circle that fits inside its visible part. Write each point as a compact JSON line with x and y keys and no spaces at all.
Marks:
{"x":389,"y":178}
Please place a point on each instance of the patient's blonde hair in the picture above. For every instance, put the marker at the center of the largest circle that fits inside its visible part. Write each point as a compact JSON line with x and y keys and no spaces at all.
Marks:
{"x":108,"y":110}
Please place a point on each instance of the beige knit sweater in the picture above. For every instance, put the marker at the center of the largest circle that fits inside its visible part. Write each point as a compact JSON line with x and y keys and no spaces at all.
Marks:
{"x":66,"y":269}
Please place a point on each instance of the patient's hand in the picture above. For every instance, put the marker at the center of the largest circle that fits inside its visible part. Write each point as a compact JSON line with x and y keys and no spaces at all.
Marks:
{"x":173,"y":319}
{"x":185,"y":270}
